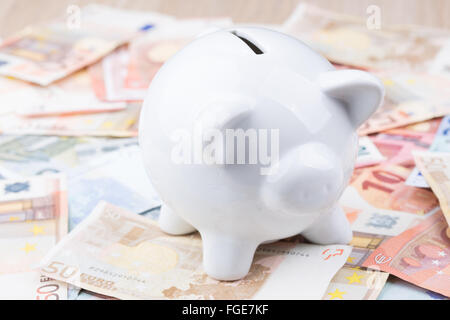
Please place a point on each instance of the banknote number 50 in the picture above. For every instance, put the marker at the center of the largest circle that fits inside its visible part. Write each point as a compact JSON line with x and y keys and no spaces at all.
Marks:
{"x":66,"y":272}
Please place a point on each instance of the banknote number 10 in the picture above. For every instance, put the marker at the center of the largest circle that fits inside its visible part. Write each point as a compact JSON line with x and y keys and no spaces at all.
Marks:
{"x":382,"y":176}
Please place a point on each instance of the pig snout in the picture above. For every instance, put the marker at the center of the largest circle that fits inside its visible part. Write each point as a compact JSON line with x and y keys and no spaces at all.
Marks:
{"x":308,"y":178}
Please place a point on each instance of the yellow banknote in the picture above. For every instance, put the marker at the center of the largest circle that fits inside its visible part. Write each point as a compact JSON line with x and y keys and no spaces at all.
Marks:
{"x":356,"y":284}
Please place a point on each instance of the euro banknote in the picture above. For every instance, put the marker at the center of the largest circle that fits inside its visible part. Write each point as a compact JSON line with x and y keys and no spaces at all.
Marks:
{"x":441,"y":143}
{"x":409,"y":98}
{"x":349,"y":40}
{"x":122,"y":123}
{"x":368,"y":153}
{"x":125,"y":74}
{"x":72,"y":95}
{"x":435,"y":168}
{"x":355,"y":284}
{"x":420,"y":255}
{"x":378,"y":206}
{"x":123,"y":255}
{"x":396,"y":145}
{"x":118,"y":177}
{"x":399,"y":289}
{"x":37,"y":155}
{"x":33,"y":218}
{"x":44,"y":53}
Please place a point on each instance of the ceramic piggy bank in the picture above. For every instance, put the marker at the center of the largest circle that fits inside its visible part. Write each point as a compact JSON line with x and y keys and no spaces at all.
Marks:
{"x":249,"y":136}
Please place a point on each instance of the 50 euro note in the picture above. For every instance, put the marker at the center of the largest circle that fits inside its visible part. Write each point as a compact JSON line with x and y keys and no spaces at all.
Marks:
{"x":122,"y":123}
{"x":434,"y":166}
{"x":123,"y":255}
{"x":348,"y":40}
{"x":355,"y":284}
{"x":33,"y":218}
{"x":420,"y":255}
{"x":44,"y":53}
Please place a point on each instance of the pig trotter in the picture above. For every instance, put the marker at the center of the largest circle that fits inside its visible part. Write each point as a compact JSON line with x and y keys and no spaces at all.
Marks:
{"x":332,"y":228}
{"x":171,"y":223}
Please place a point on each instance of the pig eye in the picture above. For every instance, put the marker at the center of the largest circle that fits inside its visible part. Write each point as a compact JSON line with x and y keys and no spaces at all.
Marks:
{"x":248,"y":42}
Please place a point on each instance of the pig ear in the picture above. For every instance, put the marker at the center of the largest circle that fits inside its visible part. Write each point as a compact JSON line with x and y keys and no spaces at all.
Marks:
{"x":361,"y":92}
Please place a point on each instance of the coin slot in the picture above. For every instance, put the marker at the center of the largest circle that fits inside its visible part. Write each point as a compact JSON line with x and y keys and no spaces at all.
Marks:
{"x":255,"y":48}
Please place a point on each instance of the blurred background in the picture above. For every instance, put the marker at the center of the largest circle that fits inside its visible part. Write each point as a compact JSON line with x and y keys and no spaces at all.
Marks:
{"x":15,"y":14}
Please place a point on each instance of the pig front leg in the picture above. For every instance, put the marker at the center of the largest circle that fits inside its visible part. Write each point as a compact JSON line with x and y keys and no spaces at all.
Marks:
{"x":330,"y":228}
{"x":226,"y":257}
{"x":171,"y":223}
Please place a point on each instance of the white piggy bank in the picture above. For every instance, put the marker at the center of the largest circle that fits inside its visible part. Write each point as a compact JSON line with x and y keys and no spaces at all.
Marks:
{"x":249,"y":136}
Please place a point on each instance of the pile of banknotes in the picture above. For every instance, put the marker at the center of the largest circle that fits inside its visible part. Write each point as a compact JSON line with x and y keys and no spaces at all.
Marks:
{"x":78,"y":213}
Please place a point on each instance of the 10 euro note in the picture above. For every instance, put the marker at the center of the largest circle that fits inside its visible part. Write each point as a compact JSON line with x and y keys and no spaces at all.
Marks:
{"x":420,"y":255}
{"x":379,"y":205}
{"x":33,"y":218}
{"x":409,"y":98}
{"x":434,"y":166}
{"x":120,"y":254}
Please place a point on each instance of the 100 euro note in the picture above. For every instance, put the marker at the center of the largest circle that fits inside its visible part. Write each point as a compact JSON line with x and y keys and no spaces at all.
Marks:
{"x":420,"y":255}
{"x":44,"y":53}
{"x":435,"y":168}
{"x":33,"y":218}
{"x":120,"y":254}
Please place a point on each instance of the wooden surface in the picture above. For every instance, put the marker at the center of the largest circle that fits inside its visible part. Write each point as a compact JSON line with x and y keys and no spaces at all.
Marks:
{"x":15,"y":14}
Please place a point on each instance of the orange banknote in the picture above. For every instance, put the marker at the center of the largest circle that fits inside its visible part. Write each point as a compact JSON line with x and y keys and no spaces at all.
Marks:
{"x":396,"y":145}
{"x":420,"y":255}
{"x":383,"y":187}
